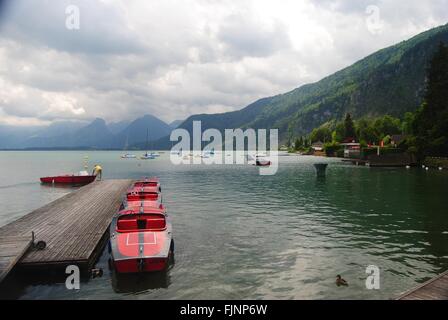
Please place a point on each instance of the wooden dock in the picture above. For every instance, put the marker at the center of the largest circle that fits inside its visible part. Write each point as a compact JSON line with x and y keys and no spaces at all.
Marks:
{"x":434,"y":289}
{"x":12,"y":249}
{"x":74,"y":227}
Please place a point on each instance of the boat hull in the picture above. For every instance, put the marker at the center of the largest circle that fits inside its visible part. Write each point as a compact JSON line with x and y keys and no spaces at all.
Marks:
{"x":136,"y":265}
{"x":68,"y":179}
{"x":262,"y":163}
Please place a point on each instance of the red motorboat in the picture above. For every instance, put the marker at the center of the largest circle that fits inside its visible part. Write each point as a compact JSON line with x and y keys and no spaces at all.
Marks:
{"x":148,"y":182}
{"x":141,"y":240}
{"x":81,"y":178}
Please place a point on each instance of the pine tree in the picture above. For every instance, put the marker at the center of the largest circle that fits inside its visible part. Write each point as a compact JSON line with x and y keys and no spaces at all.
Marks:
{"x":349,"y":127}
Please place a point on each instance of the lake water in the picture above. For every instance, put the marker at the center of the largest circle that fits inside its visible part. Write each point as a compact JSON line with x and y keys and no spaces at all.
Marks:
{"x":240,"y":235}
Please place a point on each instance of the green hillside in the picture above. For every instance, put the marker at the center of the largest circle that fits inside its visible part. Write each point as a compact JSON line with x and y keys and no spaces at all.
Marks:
{"x":390,"y":81}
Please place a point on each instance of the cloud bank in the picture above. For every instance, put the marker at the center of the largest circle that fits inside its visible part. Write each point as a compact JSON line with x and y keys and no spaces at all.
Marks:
{"x":176,"y":58}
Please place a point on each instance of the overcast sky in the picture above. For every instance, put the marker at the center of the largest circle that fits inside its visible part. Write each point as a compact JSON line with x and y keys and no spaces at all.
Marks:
{"x":173,"y":58}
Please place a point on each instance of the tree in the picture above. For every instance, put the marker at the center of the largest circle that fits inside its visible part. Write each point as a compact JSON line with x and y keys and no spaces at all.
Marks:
{"x":349,"y":127}
{"x":387,"y":125}
{"x":431,"y":120}
{"x":338,"y":133}
{"x":322,"y":134}
{"x":306,"y":143}
{"x":366,"y":132}
{"x":407,"y":123}
{"x":297,"y":144}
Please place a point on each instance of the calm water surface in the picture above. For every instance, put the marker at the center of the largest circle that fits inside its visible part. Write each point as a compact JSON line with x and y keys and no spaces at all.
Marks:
{"x":240,"y":235}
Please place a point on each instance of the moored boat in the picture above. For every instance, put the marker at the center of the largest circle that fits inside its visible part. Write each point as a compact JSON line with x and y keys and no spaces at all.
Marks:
{"x":80,"y":178}
{"x":147,"y":156}
{"x":141,"y":240}
{"x":128,"y":156}
{"x":143,"y":193}
{"x":262,"y":163}
{"x":148,"y":182}
{"x":259,"y":161}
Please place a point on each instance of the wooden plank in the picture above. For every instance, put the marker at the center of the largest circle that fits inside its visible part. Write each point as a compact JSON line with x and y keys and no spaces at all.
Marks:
{"x":434,"y":289}
{"x":11,"y":250}
{"x":73,"y":226}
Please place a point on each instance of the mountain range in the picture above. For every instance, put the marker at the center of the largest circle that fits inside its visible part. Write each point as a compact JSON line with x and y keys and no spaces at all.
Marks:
{"x":389,"y":81}
{"x":94,"y":135}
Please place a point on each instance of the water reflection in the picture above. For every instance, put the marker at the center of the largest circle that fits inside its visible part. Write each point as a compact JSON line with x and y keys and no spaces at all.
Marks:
{"x":140,"y":282}
{"x":137,"y":283}
{"x":25,"y":281}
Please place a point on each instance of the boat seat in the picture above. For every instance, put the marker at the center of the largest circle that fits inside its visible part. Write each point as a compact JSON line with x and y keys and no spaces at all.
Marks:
{"x":156,"y":224}
{"x":127,"y":225}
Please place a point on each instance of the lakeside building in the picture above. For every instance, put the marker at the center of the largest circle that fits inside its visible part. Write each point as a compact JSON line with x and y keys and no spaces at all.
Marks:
{"x":352,"y":149}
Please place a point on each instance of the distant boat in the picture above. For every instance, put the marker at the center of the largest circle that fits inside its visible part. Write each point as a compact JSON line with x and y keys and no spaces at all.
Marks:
{"x":262,"y":163}
{"x":148,"y":155}
{"x":208,"y":153}
{"x":128,"y":156}
{"x":259,"y":161}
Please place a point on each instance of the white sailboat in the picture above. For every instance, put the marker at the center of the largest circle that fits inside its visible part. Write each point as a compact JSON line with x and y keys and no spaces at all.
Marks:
{"x":148,"y":155}
{"x":128,"y":155}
